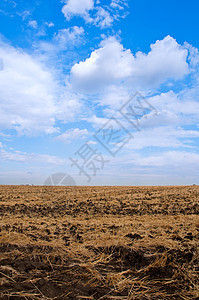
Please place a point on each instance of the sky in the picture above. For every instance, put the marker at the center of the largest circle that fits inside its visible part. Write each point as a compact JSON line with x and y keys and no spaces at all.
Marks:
{"x":99,"y":92}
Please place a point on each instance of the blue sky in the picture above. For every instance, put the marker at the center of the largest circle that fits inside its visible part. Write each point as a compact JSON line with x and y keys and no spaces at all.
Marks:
{"x":71,"y":71}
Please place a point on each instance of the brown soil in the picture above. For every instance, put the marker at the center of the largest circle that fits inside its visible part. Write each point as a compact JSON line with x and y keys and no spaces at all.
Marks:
{"x":99,"y":242}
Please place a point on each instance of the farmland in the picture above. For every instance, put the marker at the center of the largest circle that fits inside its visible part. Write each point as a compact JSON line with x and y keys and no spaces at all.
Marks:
{"x":99,"y":242}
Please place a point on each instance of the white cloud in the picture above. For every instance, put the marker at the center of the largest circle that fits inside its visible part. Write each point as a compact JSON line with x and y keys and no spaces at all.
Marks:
{"x":1,"y":64}
{"x":25,"y":14}
{"x":50,"y":24}
{"x":72,"y":134}
{"x":112,"y":64}
{"x":62,"y":41}
{"x":92,"y":12}
{"x":119,"y":9}
{"x":77,"y":7}
{"x":96,"y":121}
{"x":103,"y":18}
{"x":33,"y":24}
{"x":118,"y":4}
{"x":25,"y":90}
{"x":169,"y":127}
{"x":91,"y":143}
{"x":106,"y":65}
{"x":68,"y":106}
{"x":69,"y":35}
{"x":31,"y":98}
{"x":193,"y":54}
{"x":165,"y":168}
{"x":170,"y":158}
{"x":181,"y":109}
{"x":163,"y":137}
{"x":115,"y":96}
{"x":19,"y":156}
{"x":166,"y":60}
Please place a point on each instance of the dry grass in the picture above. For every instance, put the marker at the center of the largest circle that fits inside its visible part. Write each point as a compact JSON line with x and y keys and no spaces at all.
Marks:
{"x":131,"y":243}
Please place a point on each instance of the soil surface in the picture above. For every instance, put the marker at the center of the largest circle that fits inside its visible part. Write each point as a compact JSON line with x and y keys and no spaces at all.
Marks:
{"x":132,"y":243}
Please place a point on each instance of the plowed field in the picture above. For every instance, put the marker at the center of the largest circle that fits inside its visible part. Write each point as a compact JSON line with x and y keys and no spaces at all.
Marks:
{"x":99,"y":242}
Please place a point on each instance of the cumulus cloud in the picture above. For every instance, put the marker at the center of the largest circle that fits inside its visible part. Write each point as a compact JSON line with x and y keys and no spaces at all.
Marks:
{"x":112,"y":64}
{"x":25,"y":90}
{"x":108,"y":64}
{"x":167,"y":59}
{"x":30,"y":96}
{"x":72,"y":134}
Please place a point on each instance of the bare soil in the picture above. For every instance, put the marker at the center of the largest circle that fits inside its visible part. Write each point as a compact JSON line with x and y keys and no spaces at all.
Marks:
{"x":99,"y":242}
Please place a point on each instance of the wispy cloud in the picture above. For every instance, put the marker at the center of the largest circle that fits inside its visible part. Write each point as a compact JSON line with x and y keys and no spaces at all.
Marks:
{"x":33,"y":24}
{"x":97,"y":14}
{"x":72,"y":134}
{"x":19,"y":156}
